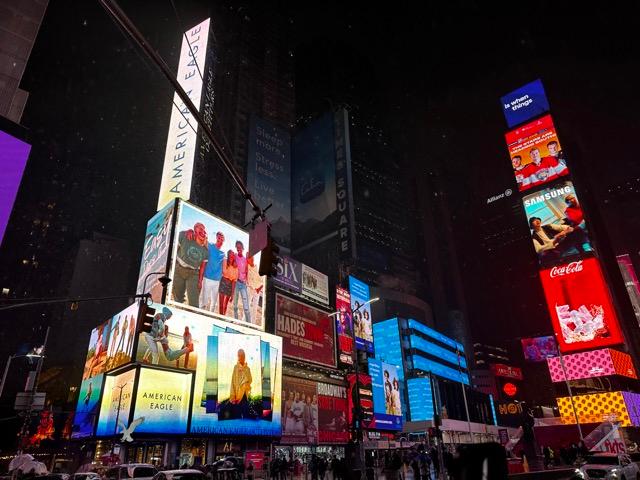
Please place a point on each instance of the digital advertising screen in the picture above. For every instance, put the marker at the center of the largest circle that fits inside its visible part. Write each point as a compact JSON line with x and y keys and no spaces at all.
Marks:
{"x":580,"y":306}
{"x":116,"y":403}
{"x":362,"y":389}
{"x":86,"y":414}
{"x":538,"y":349}
{"x":525,"y":103}
{"x":299,"y":411}
{"x":163,"y":399}
{"x":269,"y":175}
{"x":536,"y":155}
{"x":344,"y":326}
{"x":155,"y":252}
{"x":556,"y":221}
{"x":289,"y":274}
{"x":420,"y":399}
{"x":333,"y":426}
{"x":14,"y":154}
{"x":111,"y":343}
{"x":362,"y":321}
{"x":210,"y":271}
{"x":313,"y":181}
{"x":315,"y":285}
{"x":385,"y":385}
{"x":307,"y":333}
{"x":180,"y":153}
{"x":594,"y":363}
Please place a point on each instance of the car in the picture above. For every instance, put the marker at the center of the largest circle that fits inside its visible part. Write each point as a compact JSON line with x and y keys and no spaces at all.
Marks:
{"x":54,"y":476}
{"x":182,"y":474}
{"x":609,"y":466}
{"x":139,"y":471}
{"x":86,"y":476}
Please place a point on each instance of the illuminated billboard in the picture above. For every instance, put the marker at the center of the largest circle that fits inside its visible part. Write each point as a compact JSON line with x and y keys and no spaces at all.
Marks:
{"x":210,"y":271}
{"x":344,"y":326}
{"x":538,"y":349}
{"x":556,"y":220}
{"x":594,"y":363}
{"x":420,"y":399}
{"x":86,"y":414}
{"x":307,"y":333}
{"x":536,"y":154}
{"x":177,"y":171}
{"x":314,"y":412}
{"x":362,"y":321}
{"x":524,"y":103}
{"x":163,"y":399}
{"x":111,"y":343}
{"x":315,"y":284}
{"x":385,"y":385}
{"x":313,"y":182}
{"x":13,"y":159}
{"x":600,"y":407}
{"x":155,"y":252}
{"x":580,"y":306}
{"x":269,"y":175}
{"x":507,"y":371}
{"x":116,"y":404}
{"x":361,"y":389}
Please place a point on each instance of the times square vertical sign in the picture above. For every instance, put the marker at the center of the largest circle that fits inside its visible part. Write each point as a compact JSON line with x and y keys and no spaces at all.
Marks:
{"x":578,"y":298}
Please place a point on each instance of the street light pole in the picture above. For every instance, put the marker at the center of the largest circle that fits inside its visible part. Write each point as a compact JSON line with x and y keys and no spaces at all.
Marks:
{"x":356,"y":368}
{"x":464,"y":395}
{"x":115,"y":427}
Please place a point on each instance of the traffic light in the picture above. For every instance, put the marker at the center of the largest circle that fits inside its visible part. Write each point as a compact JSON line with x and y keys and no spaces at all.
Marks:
{"x":269,"y":258}
{"x":145,"y":319}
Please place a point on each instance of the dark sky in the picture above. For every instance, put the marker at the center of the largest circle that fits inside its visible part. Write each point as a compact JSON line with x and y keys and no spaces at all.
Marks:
{"x":432,"y":73}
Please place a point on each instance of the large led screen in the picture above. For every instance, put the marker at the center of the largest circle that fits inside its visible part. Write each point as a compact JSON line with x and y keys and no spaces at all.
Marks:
{"x":313,"y":182}
{"x":86,"y":414}
{"x":344,"y":326}
{"x":420,"y":399}
{"x":177,"y":171}
{"x":210,"y":271}
{"x":580,"y":306}
{"x":314,"y":412}
{"x":538,"y":349}
{"x":556,"y":220}
{"x":117,"y":401}
{"x":360,"y":394}
{"x":361,"y":314}
{"x":536,"y":155}
{"x":269,"y":175}
{"x":13,"y":158}
{"x":163,"y":399}
{"x":307,"y":333}
{"x":524,"y":103}
{"x":387,"y":406}
{"x":155,"y":252}
{"x":594,"y":363}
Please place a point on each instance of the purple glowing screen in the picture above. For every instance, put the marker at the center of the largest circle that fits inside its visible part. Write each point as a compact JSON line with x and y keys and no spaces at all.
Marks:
{"x":13,"y":158}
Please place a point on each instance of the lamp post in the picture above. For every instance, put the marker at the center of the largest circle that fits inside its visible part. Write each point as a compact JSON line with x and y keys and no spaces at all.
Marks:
{"x":115,"y":427}
{"x":356,"y":368}
{"x":164,"y":280}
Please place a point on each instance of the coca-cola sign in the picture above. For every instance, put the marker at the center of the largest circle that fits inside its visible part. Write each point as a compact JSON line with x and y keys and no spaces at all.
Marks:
{"x":568,"y":269}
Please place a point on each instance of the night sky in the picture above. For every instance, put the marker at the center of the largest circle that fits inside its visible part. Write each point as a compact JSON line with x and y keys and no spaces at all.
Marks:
{"x":431,"y":74}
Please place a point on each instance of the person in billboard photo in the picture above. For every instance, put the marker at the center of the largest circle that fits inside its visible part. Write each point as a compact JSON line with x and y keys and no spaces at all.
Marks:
{"x":297,"y":412}
{"x":192,"y":255}
{"x":545,"y":169}
{"x":211,"y":275}
{"x":522,"y":172}
{"x":87,"y":397}
{"x":554,"y":151}
{"x":115,"y":331}
{"x":96,"y":357}
{"x":388,"y":394}
{"x":344,"y":320}
{"x":289,"y":422}
{"x":397,"y":408}
{"x":159,"y":334}
{"x":357,"y":320}
{"x":228,"y":281}
{"x":573,"y":212}
{"x":187,"y":343}
{"x":240,"y":388}
{"x":554,"y":241}
{"x":241,"y":289}
{"x":132,"y":332}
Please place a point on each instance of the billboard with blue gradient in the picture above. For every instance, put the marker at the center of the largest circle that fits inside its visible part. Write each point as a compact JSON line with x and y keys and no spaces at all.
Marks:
{"x":387,"y":404}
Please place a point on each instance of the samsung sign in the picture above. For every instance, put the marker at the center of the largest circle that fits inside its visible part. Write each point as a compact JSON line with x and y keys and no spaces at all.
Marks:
{"x":181,"y":141}
{"x":524,"y":103}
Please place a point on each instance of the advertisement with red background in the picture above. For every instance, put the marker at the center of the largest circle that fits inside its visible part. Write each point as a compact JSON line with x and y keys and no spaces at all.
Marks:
{"x":502,"y":370}
{"x":344,"y":326}
{"x":531,"y":168}
{"x":333,"y":425}
{"x":580,"y":306}
{"x":366,"y":399}
{"x":307,"y":333}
